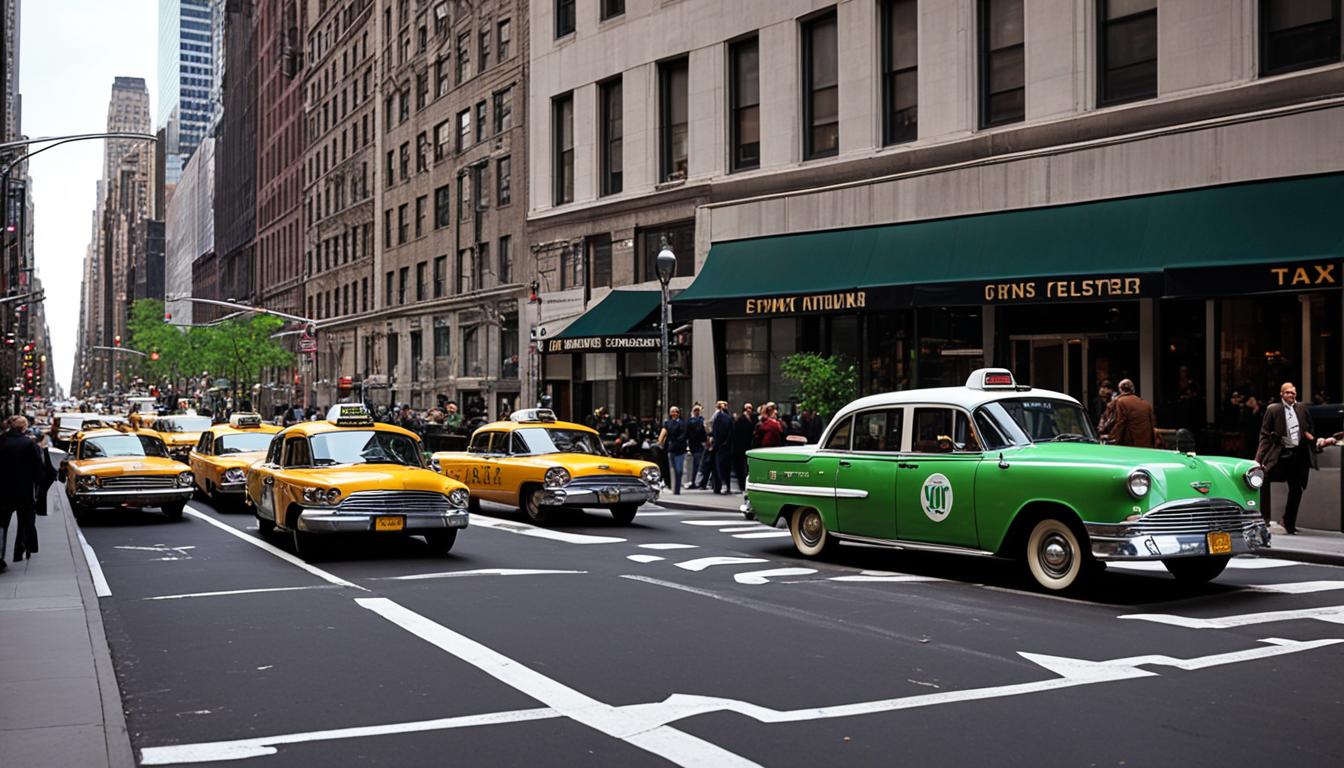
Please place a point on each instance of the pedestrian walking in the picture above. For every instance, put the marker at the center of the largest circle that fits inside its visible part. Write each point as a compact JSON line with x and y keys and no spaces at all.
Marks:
{"x":673,"y":439}
{"x":721,"y":441}
{"x":1131,"y":419}
{"x":22,"y":461}
{"x":696,"y":436}
{"x":743,"y":427}
{"x":1286,"y":452}
{"x":769,"y":432}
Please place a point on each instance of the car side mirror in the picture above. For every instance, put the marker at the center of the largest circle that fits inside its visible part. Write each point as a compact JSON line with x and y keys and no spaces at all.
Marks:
{"x":1003,"y":463}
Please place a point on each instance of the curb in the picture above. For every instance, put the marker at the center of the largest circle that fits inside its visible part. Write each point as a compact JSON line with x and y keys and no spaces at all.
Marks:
{"x":120,"y":754}
{"x":1304,"y":556}
{"x":691,"y":505}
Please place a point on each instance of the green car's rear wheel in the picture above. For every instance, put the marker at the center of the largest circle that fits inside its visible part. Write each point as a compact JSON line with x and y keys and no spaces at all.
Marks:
{"x":1055,"y":557}
{"x":1196,"y":570}
{"x":809,"y":532}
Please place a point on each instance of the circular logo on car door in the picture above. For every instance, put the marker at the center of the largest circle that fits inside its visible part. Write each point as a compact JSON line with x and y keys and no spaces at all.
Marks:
{"x":936,"y":497}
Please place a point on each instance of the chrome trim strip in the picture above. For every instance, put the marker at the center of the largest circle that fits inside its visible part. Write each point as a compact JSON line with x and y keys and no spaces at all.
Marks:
{"x":805,"y":490}
{"x":903,"y":544}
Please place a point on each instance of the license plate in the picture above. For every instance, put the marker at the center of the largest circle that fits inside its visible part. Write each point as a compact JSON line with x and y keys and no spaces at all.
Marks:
{"x":609,"y":495}
{"x":1220,"y":543}
{"x":389,"y":523}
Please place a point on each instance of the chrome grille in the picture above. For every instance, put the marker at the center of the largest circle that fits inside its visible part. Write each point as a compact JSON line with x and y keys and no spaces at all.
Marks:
{"x":140,"y":482}
{"x":394,"y":503}
{"x":1197,"y":518}
{"x":607,"y":481}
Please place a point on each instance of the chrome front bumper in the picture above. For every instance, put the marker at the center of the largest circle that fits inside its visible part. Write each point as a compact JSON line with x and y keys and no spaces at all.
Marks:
{"x":330,"y":521}
{"x":598,"y":495}
{"x":151,"y":497}
{"x":1179,"y":529}
{"x":231,"y":489}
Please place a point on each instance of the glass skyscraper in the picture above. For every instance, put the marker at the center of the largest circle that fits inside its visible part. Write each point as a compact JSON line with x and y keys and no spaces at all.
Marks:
{"x":187,"y":54}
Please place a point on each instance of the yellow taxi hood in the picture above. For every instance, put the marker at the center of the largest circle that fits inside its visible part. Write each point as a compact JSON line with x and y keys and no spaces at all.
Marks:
{"x":376,"y":477}
{"x":578,"y":464}
{"x":239,"y":460}
{"x":129,"y":465}
{"x":181,"y":438}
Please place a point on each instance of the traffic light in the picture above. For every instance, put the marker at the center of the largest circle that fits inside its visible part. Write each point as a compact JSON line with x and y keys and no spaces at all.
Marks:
{"x":533,"y":297}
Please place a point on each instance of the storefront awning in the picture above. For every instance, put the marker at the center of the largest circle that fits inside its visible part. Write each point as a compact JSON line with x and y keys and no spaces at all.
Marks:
{"x":1244,"y":238}
{"x":621,"y":322}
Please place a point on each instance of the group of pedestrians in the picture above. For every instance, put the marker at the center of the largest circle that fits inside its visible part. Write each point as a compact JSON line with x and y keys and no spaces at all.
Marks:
{"x":717,"y":448}
{"x":23,"y":487}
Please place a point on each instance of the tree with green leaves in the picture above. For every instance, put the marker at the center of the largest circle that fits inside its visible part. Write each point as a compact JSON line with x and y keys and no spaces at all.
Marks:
{"x":824,"y":385}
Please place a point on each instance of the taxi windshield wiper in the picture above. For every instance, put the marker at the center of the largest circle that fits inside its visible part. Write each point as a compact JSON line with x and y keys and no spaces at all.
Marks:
{"x":1069,"y":437}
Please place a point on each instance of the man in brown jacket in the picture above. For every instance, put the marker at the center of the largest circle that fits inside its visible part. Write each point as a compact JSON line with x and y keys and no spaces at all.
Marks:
{"x":1287,"y":452}
{"x":1132,"y":421}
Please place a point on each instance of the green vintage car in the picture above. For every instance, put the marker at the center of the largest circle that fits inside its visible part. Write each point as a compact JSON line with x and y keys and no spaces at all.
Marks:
{"x":998,"y":469}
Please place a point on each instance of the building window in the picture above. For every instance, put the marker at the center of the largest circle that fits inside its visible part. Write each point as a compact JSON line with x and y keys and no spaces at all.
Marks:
{"x":504,"y":180}
{"x":417,"y":352}
{"x":1127,"y":49}
{"x":564,"y":17}
{"x":420,"y":281}
{"x":480,"y":121}
{"x":562,"y":131}
{"x":1296,"y":34}
{"x":421,"y":90}
{"x":821,"y":88}
{"x":421,"y":203}
{"x":505,"y":39}
{"x":442,"y":334}
{"x":387,"y":230}
{"x":442,"y":211}
{"x":405,"y":160}
{"x":571,"y":268}
{"x":463,"y":196}
{"x":745,"y":94}
{"x":463,"y":129}
{"x":405,"y":102}
{"x":403,"y":227}
{"x":471,"y":351}
{"x":421,"y":152}
{"x":391,"y":169}
{"x":464,"y":271}
{"x":1002,"y":63}
{"x":440,"y":276}
{"x":442,"y":80}
{"x":673,"y":120}
{"x":900,"y":71}
{"x":503,"y":110}
{"x":364,"y":294}
{"x":611,"y":125}
{"x":463,"y":57}
{"x":403,"y":279}
{"x":485,"y":48}
{"x":479,"y":263}
{"x":479,"y":192}
{"x":612,"y":8}
{"x":443,"y":134}
{"x":505,"y":257}
{"x":599,"y":261}
{"x":648,"y":242}
{"x":388,"y":286}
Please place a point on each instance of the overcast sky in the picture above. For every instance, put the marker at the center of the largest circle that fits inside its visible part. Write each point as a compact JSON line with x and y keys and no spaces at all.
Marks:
{"x":69,"y":52}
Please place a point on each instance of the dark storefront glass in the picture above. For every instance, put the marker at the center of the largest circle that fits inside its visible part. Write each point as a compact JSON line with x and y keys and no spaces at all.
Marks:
{"x":1070,"y":351}
{"x":1259,"y":345}
{"x":949,"y":345}
{"x":890,"y":357}
{"x":1182,"y":368}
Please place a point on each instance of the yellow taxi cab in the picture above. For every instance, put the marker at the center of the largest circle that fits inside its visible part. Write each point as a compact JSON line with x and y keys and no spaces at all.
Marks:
{"x":180,"y":433}
{"x":349,"y":475}
{"x":121,"y":467}
{"x":543,"y":465}
{"x":220,"y":459}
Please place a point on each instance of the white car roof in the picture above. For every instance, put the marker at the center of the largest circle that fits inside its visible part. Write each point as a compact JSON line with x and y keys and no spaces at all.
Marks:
{"x":964,"y":397}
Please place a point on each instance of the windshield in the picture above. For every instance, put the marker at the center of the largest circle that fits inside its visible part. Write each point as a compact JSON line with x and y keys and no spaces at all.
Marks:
{"x":182,"y":424}
{"x":252,"y":441}
{"x":540,"y":440}
{"x":1026,"y":420}
{"x":365,"y":446}
{"x":121,"y":445}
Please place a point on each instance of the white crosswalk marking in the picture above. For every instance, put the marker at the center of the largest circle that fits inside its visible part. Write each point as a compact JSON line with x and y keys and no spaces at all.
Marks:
{"x":763,"y":577}
{"x":701,"y":563}
{"x":668,"y":546}
{"x":742,"y":528}
{"x":1298,"y":587}
{"x":1236,"y":564}
{"x":645,"y":558}
{"x":713,"y":523}
{"x":1332,"y":614}
{"x":881,"y":576}
{"x":766,"y":534}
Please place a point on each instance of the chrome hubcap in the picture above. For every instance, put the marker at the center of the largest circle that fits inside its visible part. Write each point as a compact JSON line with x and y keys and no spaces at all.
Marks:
{"x":1056,"y":555}
{"x":810,"y":528}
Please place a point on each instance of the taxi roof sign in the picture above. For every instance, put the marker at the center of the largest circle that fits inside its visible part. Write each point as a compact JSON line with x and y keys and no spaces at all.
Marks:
{"x":245,"y":420}
{"x":533,"y":415}
{"x":350,"y":415}
{"x":991,"y":378}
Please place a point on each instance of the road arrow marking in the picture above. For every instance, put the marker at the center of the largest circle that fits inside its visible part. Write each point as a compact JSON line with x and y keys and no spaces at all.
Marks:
{"x":1298,"y":587}
{"x":645,"y":558}
{"x":523,"y":529}
{"x":763,"y":577}
{"x":701,"y":563}
{"x":1332,"y":614}
{"x":668,"y":546}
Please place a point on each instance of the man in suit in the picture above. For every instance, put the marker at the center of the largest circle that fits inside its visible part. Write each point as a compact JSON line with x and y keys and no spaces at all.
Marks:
{"x":1286,"y":452}
{"x":22,"y":461}
{"x":744,"y":427}
{"x":721,"y":442}
{"x":1132,"y":422}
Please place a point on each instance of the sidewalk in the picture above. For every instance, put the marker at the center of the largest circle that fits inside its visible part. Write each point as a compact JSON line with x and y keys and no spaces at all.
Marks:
{"x":59,"y":700}
{"x":1308,"y":546}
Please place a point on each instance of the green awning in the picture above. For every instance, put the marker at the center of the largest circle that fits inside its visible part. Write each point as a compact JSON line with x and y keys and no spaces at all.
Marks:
{"x":622,"y":321}
{"x":1162,"y":244}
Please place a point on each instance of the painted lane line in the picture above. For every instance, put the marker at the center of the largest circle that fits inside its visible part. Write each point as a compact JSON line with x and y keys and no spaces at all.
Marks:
{"x":477,"y":572}
{"x":668,"y":546}
{"x":100,"y":586}
{"x":1236,"y":563}
{"x":241,"y":749}
{"x":524,"y":529}
{"x":701,"y":563}
{"x":663,"y":513}
{"x":713,"y":523}
{"x":1331,"y":614}
{"x":1298,"y":587}
{"x":660,"y":739}
{"x":239,"y":592}
{"x":877,"y":577}
{"x":744,"y":528}
{"x":767,"y":534}
{"x":763,"y":577}
{"x":280,"y":553}
{"x":638,"y":723}
{"x":645,"y":558}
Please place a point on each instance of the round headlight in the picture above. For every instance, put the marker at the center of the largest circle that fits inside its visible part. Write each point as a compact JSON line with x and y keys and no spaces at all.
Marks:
{"x":184,"y":479}
{"x":650,"y":475}
{"x":332,"y":495}
{"x":556,"y":477}
{"x":312,"y":495}
{"x":458,"y":497}
{"x":234,"y":475}
{"x":86,"y":482}
{"x":1139,"y":483}
{"x":1255,"y":477}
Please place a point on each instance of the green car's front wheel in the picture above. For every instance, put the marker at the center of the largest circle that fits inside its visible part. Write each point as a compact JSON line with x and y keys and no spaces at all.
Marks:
{"x":1055,"y":557}
{"x":809,"y":532}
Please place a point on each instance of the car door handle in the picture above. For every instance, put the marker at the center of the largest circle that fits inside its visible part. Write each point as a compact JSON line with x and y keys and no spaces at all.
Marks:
{"x":905,"y":465}
{"x":844,"y":463}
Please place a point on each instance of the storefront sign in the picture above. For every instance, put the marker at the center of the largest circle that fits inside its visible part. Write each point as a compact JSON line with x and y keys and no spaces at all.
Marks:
{"x":820,"y":302}
{"x":1064,"y":289}
{"x":603,"y":344}
{"x":1256,"y":278}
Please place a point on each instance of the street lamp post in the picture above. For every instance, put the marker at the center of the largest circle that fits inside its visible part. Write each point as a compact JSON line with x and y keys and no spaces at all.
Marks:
{"x":666,"y":265}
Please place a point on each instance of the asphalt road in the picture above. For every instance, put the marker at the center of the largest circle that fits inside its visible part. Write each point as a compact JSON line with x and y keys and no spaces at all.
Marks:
{"x":698,"y":639}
